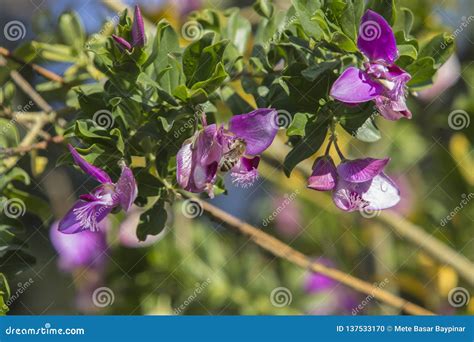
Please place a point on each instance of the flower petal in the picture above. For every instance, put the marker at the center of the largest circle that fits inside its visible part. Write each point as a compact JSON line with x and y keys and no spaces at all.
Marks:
{"x":126,"y":188}
{"x":198,"y":159}
{"x":383,"y":193}
{"x":392,"y":110}
{"x":138,"y":29}
{"x":376,"y":39}
{"x":245,"y":172}
{"x":258,"y":128}
{"x":122,"y":42}
{"x":324,"y":175}
{"x":82,"y":216}
{"x":355,"y":86}
{"x":361,"y":170}
{"x":99,"y":174}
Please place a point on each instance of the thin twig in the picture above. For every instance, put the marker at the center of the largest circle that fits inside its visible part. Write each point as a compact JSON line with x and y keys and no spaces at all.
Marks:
{"x":282,"y":250}
{"x":39,"y":69}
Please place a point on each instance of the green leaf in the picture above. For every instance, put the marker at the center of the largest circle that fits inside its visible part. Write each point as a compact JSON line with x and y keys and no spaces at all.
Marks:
{"x":16,"y":261}
{"x":153,"y":221}
{"x":358,"y":121}
{"x":316,"y":70}
{"x":440,"y":47}
{"x":305,"y":10}
{"x":33,"y":204}
{"x":404,"y":21}
{"x":15,"y":174}
{"x":4,"y":294}
{"x":343,"y":42}
{"x":264,"y":8}
{"x":201,"y":58}
{"x":315,"y":133}
{"x":214,"y":81}
{"x":407,"y":50}
{"x":52,"y":52}
{"x":165,"y":54}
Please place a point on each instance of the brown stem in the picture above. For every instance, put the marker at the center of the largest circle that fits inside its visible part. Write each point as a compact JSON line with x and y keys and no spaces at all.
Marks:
{"x":38,"y":69}
{"x":282,"y":250}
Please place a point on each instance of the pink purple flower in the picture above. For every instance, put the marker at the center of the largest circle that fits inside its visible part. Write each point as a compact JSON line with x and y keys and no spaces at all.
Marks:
{"x":92,"y":208}
{"x":358,"y":184}
{"x":234,"y":149}
{"x":381,"y":80}
{"x":138,"y":33}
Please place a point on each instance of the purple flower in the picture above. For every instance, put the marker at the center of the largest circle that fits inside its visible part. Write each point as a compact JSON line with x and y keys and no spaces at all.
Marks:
{"x":381,"y":80}
{"x":92,"y":208}
{"x":138,"y":33}
{"x":86,"y":249}
{"x":357,"y":184}
{"x":217,"y":149}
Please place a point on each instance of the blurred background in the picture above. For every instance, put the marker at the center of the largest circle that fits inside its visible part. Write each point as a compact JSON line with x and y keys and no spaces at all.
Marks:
{"x":197,"y":266}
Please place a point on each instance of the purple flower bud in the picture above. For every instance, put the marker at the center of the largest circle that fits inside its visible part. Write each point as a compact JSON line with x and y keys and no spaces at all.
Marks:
{"x":122,"y":42}
{"x":138,"y":33}
{"x":138,"y":29}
